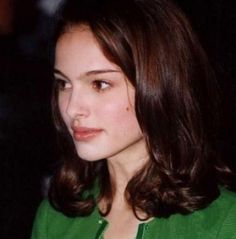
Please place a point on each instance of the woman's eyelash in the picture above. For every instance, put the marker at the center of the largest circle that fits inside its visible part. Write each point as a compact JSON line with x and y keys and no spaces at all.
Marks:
{"x":62,"y":84}
{"x":100,"y":85}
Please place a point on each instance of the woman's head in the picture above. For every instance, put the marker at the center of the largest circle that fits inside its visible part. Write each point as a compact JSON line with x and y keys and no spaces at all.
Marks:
{"x":153,"y":45}
{"x":168,"y":77}
{"x":95,"y":99}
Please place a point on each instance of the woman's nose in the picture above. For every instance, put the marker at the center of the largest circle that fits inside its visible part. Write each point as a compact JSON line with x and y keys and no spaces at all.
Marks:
{"x":78,"y":106}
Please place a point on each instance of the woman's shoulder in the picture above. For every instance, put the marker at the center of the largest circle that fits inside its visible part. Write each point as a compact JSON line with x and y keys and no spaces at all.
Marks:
{"x":226,"y":209}
{"x":231,"y":195}
{"x":46,"y":211}
{"x":222,"y":207}
{"x":50,"y":223}
{"x":217,"y":220}
{"x":226,"y":200}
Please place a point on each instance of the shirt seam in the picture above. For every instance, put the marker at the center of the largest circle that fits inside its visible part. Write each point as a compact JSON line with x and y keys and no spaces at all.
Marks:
{"x":47,"y":222}
{"x":222,"y":224}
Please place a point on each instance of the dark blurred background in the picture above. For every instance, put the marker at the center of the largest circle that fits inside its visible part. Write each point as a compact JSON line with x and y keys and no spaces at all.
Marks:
{"x":27,"y":141}
{"x":27,"y":137}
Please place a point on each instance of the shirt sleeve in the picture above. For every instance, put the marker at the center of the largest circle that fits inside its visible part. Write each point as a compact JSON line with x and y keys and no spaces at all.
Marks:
{"x":40,"y":226}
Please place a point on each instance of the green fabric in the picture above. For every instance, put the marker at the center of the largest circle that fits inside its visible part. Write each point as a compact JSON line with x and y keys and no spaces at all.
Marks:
{"x":218,"y":220}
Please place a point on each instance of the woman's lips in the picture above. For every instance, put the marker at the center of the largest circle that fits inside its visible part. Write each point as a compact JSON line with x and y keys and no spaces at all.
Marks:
{"x":85,"y":133}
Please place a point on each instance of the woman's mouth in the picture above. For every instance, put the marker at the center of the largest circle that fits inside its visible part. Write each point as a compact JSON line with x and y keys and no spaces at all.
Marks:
{"x":85,"y":133}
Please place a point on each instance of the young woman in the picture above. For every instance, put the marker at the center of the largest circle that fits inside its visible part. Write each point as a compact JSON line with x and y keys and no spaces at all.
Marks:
{"x":134,"y":104}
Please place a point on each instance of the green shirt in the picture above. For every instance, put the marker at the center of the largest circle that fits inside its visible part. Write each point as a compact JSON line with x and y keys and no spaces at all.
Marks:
{"x":218,"y":220}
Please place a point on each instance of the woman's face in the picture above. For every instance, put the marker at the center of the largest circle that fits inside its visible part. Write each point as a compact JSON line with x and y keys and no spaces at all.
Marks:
{"x":95,"y":99}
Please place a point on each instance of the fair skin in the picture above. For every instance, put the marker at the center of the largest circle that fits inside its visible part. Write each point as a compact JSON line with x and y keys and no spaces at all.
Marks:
{"x":96,"y":102}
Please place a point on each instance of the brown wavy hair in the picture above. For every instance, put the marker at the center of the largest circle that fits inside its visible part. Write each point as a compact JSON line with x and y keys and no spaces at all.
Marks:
{"x":176,"y":106}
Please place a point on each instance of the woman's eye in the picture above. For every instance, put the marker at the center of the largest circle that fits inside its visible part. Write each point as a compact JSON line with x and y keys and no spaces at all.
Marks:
{"x":100,"y":85}
{"x":62,"y":84}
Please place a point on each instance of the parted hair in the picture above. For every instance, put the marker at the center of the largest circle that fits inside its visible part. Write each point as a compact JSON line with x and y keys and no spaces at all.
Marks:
{"x":175,"y":103}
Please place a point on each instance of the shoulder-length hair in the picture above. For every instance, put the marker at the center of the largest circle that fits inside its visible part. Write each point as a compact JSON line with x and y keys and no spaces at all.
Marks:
{"x":175,"y":103}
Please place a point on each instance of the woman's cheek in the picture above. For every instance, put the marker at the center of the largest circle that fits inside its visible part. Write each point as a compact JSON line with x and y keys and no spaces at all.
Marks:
{"x":62,"y":105}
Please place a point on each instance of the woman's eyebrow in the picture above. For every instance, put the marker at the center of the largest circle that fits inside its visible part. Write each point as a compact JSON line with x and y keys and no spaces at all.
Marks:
{"x":103,"y":71}
{"x":89,"y":73}
{"x":58,"y":72}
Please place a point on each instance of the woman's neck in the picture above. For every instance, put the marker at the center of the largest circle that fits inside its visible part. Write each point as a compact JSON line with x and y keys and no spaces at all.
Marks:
{"x":123,"y":166}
